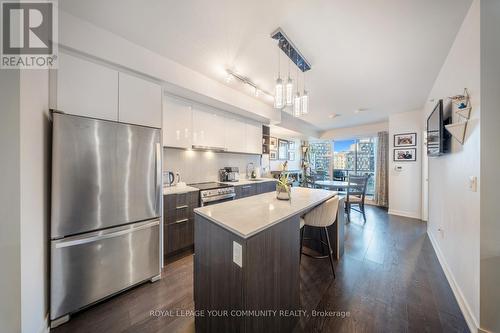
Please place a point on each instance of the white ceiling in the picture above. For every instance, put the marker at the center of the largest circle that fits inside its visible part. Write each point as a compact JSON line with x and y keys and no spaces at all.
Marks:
{"x":378,"y":55}
{"x":281,"y":132}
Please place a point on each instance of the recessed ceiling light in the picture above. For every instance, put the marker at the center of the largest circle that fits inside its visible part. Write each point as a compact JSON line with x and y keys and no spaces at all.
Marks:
{"x":333,"y":115}
{"x":360,"y":110}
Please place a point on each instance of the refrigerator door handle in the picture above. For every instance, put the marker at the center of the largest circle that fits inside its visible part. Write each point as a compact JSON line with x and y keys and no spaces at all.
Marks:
{"x":84,"y":240}
{"x":158,"y":182}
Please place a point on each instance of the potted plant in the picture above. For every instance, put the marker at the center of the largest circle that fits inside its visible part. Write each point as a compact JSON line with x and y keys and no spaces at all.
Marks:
{"x":283,"y":188}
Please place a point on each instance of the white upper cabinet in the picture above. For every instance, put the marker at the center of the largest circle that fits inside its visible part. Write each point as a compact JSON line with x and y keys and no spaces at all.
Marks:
{"x":254,"y":138}
{"x":140,"y":101}
{"x":235,"y":135}
{"x":177,"y":123}
{"x":208,"y":129}
{"x":85,"y":88}
{"x":186,"y":125}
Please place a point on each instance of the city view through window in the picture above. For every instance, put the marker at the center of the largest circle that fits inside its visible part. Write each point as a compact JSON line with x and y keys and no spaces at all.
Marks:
{"x":356,"y":156}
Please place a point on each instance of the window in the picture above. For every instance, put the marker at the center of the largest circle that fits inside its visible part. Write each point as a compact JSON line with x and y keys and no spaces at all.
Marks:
{"x":321,"y":154}
{"x":356,"y":156}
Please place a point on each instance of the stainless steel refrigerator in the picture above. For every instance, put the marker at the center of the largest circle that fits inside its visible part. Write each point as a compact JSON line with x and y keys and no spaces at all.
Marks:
{"x":105,"y":215}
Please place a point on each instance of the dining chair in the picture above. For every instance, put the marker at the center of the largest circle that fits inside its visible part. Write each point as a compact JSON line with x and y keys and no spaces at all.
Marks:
{"x":355,"y":195}
{"x":339,"y":175}
{"x":321,"y":217}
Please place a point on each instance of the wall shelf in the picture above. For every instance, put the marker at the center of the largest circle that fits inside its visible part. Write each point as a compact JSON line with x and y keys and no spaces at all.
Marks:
{"x":457,"y":130}
{"x":463,"y":108}
{"x":464,"y":113}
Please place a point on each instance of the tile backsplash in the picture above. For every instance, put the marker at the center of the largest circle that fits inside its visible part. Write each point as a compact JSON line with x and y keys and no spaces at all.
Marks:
{"x":198,"y":166}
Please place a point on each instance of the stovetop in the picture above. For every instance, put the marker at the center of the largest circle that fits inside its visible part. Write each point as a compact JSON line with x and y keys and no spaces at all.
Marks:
{"x":210,"y":185}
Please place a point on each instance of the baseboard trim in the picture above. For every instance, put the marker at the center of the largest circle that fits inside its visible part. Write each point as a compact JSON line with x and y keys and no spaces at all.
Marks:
{"x":404,"y":214}
{"x":462,"y":303}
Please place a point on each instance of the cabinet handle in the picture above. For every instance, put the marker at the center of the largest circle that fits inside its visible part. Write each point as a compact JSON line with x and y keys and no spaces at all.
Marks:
{"x":180,"y":221}
{"x":247,"y":186}
{"x":181,"y":207}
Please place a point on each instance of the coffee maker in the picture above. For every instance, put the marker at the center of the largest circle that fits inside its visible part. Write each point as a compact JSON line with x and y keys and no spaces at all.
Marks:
{"x":229,"y":174}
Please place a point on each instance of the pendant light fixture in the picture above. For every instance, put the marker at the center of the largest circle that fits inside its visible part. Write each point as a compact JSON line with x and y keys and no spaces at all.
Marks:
{"x":297,"y":100}
{"x":289,"y":85}
{"x":285,"y":98}
{"x":278,"y":89}
{"x":305,"y":97}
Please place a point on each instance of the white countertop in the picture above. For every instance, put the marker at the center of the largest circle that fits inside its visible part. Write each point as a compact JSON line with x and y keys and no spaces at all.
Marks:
{"x":178,"y":189}
{"x":246,"y":181}
{"x":248,"y":216}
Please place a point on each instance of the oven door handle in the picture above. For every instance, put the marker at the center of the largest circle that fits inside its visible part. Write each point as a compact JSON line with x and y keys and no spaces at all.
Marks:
{"x":218,"y":198}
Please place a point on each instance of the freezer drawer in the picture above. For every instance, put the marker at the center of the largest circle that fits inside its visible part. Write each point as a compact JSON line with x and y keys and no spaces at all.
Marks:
{"x":89,"y":267}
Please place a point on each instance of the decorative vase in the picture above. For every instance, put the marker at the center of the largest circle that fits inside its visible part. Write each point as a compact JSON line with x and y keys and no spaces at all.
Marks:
{"x":283,"y":192}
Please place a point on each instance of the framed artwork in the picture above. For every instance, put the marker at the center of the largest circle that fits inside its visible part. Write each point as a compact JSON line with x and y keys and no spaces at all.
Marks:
{"x":291,"y":156}
{"x":282,"y":149}
{"x":291,"y":145}
{"x":273,"y":155}
{"x":405,"y":140}
{"x":273,"y":143}
{"x":405,"y":155}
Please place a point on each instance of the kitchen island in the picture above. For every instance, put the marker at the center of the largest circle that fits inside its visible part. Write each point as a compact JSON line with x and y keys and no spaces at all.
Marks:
{"x":246,"y":266}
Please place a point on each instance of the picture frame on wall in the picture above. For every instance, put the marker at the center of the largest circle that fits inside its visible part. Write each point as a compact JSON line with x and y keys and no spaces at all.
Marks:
{"x":282,"y":149}
{"x":291,"y":156}
{"x":405,"y":140}
{"x":273,"y":143}
{"x":405,"y":155}
{"x":273,"y":155}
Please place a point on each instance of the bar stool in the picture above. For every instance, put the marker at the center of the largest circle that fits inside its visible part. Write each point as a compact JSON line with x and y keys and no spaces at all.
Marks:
{"x":321,"y":217}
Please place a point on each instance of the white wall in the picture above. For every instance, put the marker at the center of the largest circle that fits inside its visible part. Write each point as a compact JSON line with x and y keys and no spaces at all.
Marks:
{"x":199,"y":166}
{"x":452,"y":207}
{"x":490,"y":161}
{"x":10,"y":238}
{"x":405,"y":186}
{"x":35,"y":177}
{"x":355,"y":132}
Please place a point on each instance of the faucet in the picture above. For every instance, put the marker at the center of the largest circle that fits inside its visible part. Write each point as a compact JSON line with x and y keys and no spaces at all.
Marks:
{"x":250,"y":166}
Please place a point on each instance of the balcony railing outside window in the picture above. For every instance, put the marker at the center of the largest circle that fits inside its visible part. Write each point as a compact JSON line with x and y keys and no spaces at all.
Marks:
{"x":355,"y":157}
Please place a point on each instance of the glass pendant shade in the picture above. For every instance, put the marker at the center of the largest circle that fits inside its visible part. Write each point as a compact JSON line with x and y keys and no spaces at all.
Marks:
{"x":305,"y":103}
{"x":296,"y":105}
{"x":289,"y":92}
{"x":278,"y":94}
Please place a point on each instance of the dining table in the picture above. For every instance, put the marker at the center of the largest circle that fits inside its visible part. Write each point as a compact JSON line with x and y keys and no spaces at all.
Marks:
{"x":332,"y":184}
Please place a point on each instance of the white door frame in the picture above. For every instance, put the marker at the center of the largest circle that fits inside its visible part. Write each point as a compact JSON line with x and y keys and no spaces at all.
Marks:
{"x":425,"y":178}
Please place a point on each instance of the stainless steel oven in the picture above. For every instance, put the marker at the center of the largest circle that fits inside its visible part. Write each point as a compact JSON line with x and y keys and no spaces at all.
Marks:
{"x":213,"y":193}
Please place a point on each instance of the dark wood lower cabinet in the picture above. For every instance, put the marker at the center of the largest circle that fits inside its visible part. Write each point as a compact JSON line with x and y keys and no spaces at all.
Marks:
{"x":243,"y":191}
{"x":267,"y":187}
{"x":178,"y":225}
{"x":267,"y":280}
{"x":178,"y":236}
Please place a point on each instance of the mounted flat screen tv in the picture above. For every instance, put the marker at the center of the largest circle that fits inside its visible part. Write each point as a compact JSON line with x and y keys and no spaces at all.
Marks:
{"x":437,"y":137}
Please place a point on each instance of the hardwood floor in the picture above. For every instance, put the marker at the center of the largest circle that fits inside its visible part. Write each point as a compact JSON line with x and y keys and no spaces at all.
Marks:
{"x":389,"y":280}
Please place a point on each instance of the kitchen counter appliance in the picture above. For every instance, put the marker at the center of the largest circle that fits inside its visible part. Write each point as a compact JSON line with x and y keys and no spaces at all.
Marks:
{"x":213,"y":192}
{"x":229,"y":174}
{"x":105,"y":210}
